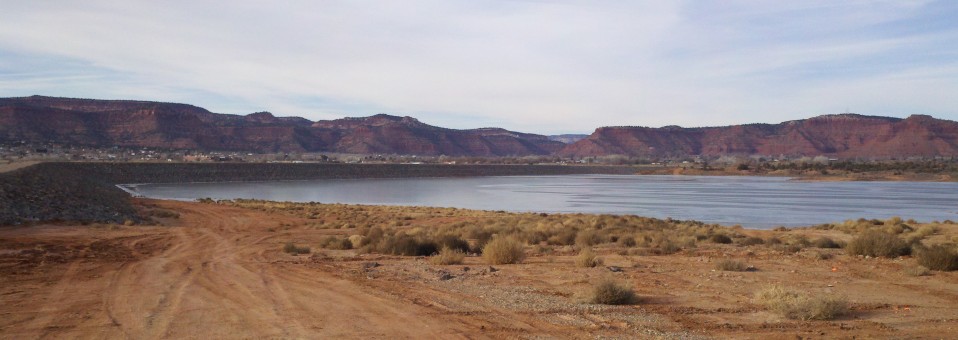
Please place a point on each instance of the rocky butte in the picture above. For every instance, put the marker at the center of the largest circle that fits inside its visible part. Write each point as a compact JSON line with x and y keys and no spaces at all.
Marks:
{"x":840,"y":136}
{"x":107,"y":123}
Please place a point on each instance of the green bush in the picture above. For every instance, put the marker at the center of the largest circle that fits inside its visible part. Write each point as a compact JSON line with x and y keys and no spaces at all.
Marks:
{"x":876,"y":243}
{"x":939,"y":257}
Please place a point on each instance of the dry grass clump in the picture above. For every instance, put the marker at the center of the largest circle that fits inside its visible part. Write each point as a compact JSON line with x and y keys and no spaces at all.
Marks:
{"x":291,"y":248}
{"x":730,"y":265}
{"x":406,"y":245}
{"x":917,"y":271}
{"x":587,"y":259}
{"x":752,"y":241}
{"x":453,"y":242}
{"x":919,"y":234}
{"x":939,"y":257}
{"x":878,"y":244}
{"x":336,"y":243}
{"x":610,"y":292}
{"x":825,"y":242}
{"x":721,"y":239}
{"x":796,"y":305}
{"x":587,"y":238}
{"x":448,"y":256}
{"x":503,"y":250}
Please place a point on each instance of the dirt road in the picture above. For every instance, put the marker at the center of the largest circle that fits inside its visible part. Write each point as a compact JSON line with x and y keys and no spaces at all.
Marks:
{"x":209,"y":277}
{"x":218,"y":271}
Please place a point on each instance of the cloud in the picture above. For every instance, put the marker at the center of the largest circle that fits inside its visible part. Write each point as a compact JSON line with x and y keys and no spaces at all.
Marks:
{"x":538,"y":66}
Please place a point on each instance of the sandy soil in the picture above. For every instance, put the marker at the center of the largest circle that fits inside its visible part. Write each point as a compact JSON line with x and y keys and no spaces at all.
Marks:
{"x":5,"y":167}
{"x":219,"y":272}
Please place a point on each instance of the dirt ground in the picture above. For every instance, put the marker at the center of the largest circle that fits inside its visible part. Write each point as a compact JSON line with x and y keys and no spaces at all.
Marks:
{"x":220,"y":272}
{"x":10,"y":166}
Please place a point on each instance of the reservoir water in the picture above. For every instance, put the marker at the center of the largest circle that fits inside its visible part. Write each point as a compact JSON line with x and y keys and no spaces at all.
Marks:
{"x":754,"y":202}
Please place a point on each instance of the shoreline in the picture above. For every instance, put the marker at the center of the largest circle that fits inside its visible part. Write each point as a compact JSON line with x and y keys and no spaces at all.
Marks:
{"x":810,"y":176}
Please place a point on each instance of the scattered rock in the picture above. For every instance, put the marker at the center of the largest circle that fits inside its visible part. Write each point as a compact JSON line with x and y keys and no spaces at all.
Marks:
{"x":444,"y":275}
{"x":492,"y":269}
{"x":615,"y":269}
{"x":369,"y":265}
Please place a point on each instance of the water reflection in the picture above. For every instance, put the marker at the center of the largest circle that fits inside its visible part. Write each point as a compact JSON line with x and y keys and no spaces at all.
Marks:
{"x":756,"y":202}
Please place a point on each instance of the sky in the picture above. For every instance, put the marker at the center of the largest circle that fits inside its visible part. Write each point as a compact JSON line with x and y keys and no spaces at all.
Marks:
{"x":545,"y":67}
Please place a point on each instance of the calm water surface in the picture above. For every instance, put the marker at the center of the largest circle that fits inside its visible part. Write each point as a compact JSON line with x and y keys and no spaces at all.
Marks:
{"x":755,"y":202}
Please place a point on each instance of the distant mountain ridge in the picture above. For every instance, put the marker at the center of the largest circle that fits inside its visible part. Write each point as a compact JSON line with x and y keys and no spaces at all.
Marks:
{"x":126,"y":123}
{"x":840,"y":135}
{"x":106,"y":123}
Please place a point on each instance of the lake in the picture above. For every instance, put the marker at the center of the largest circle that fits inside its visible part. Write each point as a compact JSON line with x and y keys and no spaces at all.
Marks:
{"x":753,"y":202}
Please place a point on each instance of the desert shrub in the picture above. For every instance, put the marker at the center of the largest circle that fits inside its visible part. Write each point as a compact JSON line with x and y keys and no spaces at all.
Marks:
{"x":789,"y":249}
{"x":917,"y":271}
{"x":896,"y":228}
{"x":720,"y":238}
{"x":610,"y":292}
{"x":535,"y":237}
{"x":291,"y":248}
{"x":920,"y":234}
{"x":374,"y":235}
{"x":751,"y":241}
{"x":730,"y":265}
{"x":627,"y":241}
{"x":876,"y":243}
{"x":503,"y":250}
{"x":927,"y":230}
{"x":773,"y":240}
{"x":795,"y":305}
{"x":564,"y":237}
{"x":587,"y":258}
{"x":939,"y":257}
{"x":800,"y":240}
{"x":336,"y":243}
{"x":358,"y":240}
{"x":825,"y":242}
{"x":407,"y":246}
{"x":666,"y":247}
{"x":453,"y":242}
{"x":823,"y":255}
{"x":449,"y":256}
{"x":586,"y":238}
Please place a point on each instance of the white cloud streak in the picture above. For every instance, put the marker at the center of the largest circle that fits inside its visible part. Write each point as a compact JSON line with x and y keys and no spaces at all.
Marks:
{"x":538,"y":66}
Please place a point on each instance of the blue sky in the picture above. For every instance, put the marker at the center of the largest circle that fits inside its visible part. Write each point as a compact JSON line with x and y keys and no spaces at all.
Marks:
{"x":534,"y":66}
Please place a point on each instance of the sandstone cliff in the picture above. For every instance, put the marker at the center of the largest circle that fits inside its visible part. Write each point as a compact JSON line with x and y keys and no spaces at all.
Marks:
{"x":842,"y":136}
{"x":105,"y":123}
